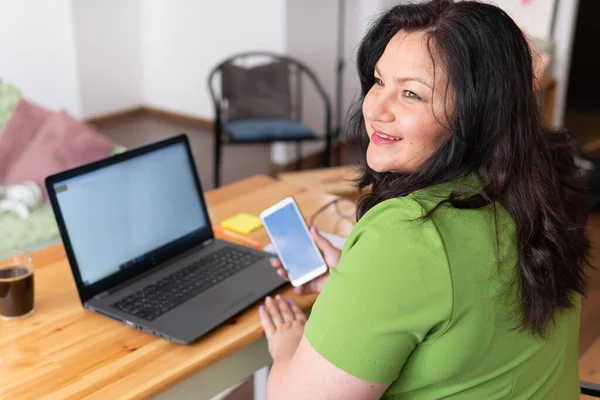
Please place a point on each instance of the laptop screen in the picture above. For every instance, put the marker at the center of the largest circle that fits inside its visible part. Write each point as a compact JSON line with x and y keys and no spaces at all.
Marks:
{"x":118,"y":215}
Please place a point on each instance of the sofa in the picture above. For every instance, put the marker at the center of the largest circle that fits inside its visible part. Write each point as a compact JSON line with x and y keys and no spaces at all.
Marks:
{"x":36,"y":142}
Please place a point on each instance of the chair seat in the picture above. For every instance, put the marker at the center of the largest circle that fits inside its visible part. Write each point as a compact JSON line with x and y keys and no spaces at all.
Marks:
{"x":256,"y":130}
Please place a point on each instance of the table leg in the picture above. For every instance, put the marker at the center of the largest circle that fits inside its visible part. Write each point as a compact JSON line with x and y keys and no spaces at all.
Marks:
{"x":222,"y":375}
{"x":260,"y":384}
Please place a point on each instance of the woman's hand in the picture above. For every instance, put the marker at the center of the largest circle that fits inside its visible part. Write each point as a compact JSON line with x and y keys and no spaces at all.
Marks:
{"x":331,"y":255}
{"x":283,"y":322}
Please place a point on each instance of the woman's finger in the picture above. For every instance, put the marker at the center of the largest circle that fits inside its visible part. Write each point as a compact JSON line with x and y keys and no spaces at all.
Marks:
{"x":324,"y":245}
{"x":286,"y":312}
{"x":298,"y":313}
{"x":330,"y":253}
{"x":266,"y":322}
{"x":274,"y":312}
{"x":276,"y":263}
{"x":281,"y":272}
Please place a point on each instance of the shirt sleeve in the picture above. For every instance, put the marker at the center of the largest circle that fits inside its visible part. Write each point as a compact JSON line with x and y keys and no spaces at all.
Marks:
{"x":391,"y":291}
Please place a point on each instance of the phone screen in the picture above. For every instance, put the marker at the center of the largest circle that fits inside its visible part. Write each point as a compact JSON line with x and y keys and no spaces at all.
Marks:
{"x":292,"y":241}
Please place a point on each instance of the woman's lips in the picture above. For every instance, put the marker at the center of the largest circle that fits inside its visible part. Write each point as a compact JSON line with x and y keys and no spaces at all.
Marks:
{"x":379,"y":137}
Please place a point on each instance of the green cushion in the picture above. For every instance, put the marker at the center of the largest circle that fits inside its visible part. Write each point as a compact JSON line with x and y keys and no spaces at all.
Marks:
{"x":117,"y":150}
{"x":29,"y":234}
{"x":9,"y":98}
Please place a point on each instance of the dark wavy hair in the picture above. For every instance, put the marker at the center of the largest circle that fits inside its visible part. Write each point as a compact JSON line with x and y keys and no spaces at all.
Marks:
{"x":495,"y":132}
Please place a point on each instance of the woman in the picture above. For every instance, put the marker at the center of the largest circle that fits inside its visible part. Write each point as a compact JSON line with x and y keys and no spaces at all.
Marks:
{"x":462,"y":278}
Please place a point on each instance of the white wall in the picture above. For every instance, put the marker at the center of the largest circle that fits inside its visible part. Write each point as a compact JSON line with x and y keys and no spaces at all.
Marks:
{"x":183,"y":39}
{"x":360,"y":14}
{"x":109,"y":55}
{"x":311,"y":37}
{"x":535,"y":17}
{"x":564,"y":34}
{"x":37,"y":52}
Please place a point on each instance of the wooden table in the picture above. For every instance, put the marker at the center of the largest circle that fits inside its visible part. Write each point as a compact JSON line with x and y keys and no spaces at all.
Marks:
{"x":65,"y":352}
{"x":335,"y":180}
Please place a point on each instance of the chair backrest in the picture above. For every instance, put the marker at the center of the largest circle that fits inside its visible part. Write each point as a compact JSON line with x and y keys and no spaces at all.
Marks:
{"x":260,"y":84}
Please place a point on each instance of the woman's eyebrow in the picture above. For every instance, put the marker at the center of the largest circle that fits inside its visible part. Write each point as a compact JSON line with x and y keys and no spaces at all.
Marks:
{"x":402,"y":79}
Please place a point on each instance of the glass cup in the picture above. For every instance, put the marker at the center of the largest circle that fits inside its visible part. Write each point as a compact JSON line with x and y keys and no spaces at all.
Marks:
{"x":16,"y":284}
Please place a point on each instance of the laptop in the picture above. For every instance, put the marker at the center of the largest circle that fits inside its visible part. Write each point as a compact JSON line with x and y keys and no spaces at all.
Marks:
{"x":139,"y":240}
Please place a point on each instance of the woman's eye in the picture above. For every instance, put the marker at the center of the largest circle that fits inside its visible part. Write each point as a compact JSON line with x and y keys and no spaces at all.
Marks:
{"x":378,"y":82}
{"x":410,"y":95}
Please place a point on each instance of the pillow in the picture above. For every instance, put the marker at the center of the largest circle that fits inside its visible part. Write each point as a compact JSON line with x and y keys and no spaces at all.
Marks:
{"x":18,"y":133}
{"x":62,"y":143}
{"x":258,"y":92}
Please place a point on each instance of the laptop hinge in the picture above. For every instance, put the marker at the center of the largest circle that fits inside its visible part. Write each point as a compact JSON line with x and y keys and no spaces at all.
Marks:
{"x":101,"y":295}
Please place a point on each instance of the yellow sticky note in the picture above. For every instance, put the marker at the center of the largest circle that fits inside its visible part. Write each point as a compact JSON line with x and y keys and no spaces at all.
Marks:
{"x":242,"y":223}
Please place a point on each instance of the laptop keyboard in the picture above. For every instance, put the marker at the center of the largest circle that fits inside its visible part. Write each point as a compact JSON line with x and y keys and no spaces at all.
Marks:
{"x":157,"y":298}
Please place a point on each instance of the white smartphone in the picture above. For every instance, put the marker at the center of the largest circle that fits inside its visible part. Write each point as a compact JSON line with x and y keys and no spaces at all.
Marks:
{"x":296,"y":249}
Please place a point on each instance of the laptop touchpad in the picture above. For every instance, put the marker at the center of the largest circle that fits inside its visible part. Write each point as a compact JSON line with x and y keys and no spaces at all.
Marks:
{"x":226,"y":305}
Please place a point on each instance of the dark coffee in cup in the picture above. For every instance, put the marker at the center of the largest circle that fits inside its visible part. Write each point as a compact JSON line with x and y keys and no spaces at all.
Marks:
{"x":16,"y":291}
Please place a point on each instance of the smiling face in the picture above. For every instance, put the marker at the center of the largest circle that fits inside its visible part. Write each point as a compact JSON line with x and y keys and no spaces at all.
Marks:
{"x":405,"y":110}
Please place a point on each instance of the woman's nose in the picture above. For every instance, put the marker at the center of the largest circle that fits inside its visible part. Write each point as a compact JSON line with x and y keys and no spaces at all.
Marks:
{"x":377,"y":107}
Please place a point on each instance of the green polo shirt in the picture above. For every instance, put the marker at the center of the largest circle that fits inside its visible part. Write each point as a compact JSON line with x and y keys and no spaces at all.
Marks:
{"x":428,"y":306}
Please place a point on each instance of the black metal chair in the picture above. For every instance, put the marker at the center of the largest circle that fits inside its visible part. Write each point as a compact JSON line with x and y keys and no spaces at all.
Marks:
{"x":260,"y":100}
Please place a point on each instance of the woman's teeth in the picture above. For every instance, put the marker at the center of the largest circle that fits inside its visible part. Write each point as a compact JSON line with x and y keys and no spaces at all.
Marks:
{"x":386,"y":137}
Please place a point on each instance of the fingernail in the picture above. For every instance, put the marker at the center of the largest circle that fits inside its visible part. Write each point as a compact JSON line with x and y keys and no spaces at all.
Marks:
{"x":278,"y":297}
{"x":315,"y":230}
{"x":290,"y":301}
{"x":261,"y":308}
{"x":268,"y":299}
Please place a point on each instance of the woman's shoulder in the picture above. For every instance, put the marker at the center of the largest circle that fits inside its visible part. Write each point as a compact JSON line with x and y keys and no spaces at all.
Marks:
{"x":394,"y":224}
{"x":393,"y":211}
{"x":426,"y":216}
{"x":399,"y":255}
{"x":402,"y":212}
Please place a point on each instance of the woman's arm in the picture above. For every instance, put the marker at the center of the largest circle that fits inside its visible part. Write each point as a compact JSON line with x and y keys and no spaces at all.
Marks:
{"x":307,"y":375}
{"x":298,"y":371}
